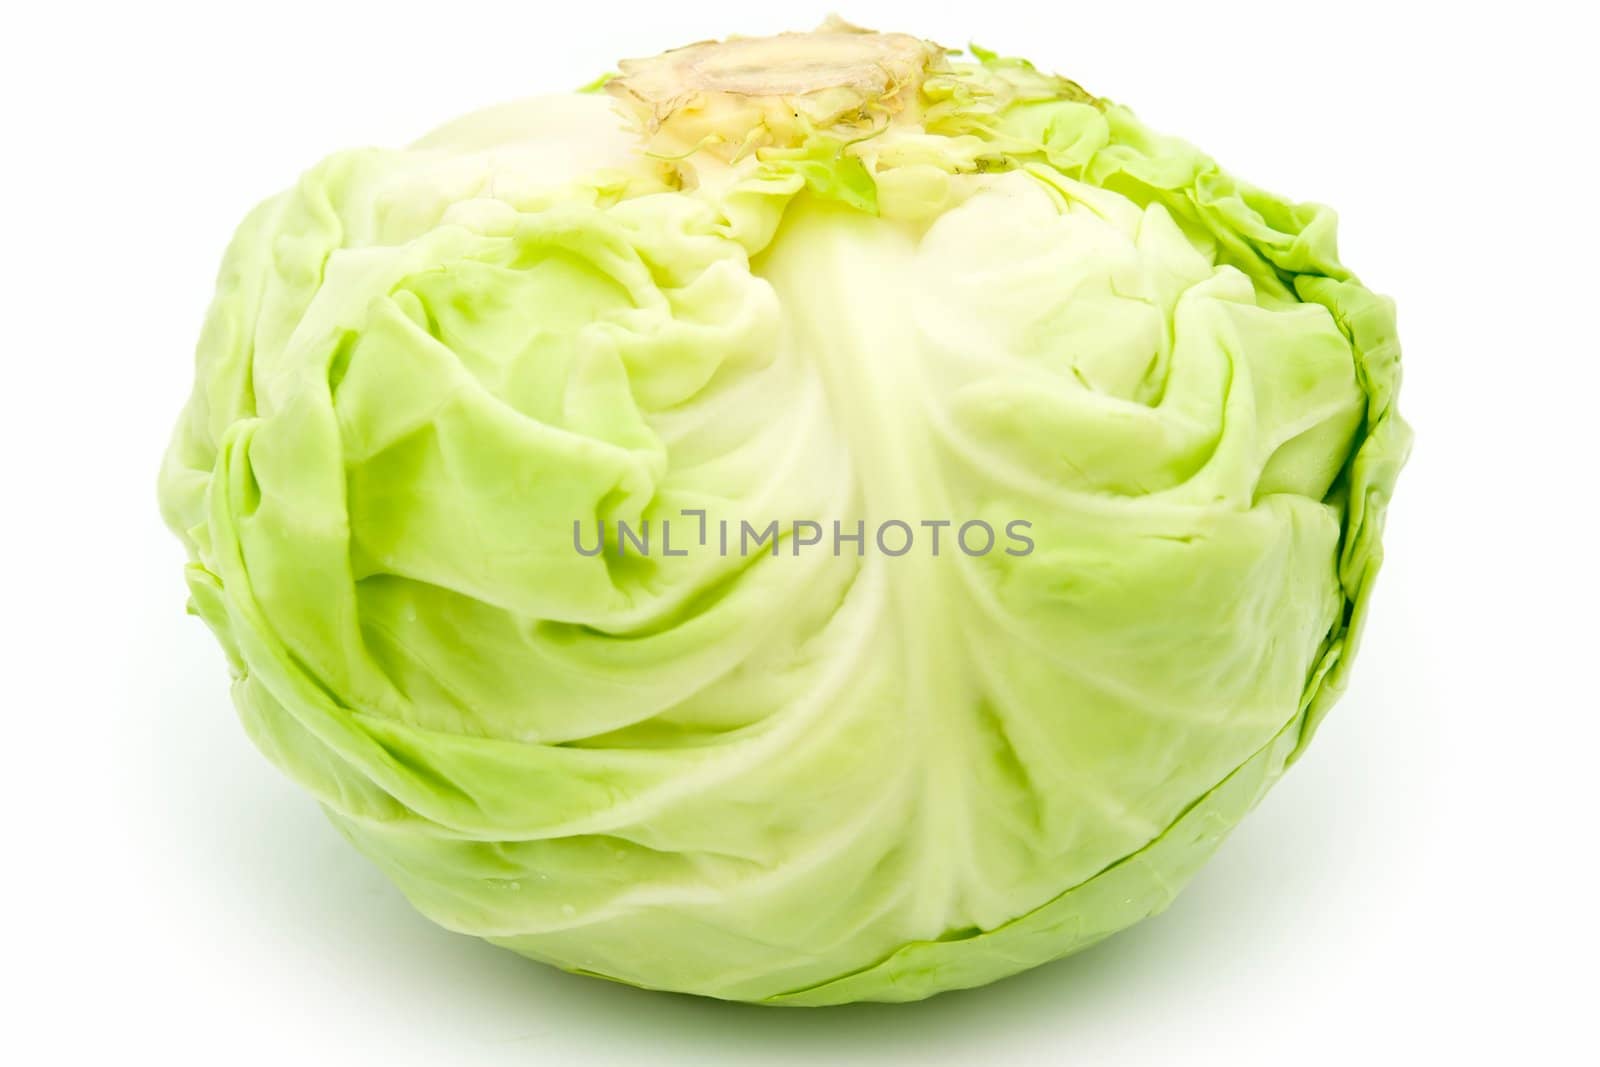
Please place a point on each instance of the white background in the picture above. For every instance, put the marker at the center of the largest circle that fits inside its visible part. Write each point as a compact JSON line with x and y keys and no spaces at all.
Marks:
{"x":1420,"y":886}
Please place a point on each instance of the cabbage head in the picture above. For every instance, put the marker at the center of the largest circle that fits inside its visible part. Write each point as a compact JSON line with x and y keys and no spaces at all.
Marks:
{"x":1021,"y":472}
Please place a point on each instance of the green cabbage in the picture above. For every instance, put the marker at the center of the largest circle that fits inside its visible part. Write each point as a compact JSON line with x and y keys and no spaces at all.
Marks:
{"x":858,"y":287}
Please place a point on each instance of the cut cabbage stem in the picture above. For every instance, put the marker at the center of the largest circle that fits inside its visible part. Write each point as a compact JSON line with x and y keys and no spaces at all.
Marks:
{"x":873,"y":67}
